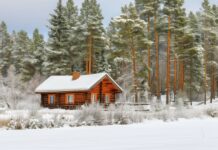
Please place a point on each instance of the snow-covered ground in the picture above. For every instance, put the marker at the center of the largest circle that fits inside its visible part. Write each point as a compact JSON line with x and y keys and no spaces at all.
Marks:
{"x":199,"y":134}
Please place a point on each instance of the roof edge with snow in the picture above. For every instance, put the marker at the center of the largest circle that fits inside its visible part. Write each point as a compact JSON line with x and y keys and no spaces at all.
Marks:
{"x":59,"y":84}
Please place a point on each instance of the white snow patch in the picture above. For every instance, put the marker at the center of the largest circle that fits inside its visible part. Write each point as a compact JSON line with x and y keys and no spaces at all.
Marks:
{"x":150,"y":135}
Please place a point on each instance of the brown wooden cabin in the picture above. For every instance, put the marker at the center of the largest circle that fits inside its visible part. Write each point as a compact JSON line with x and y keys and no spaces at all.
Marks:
{"x":71,"y":91}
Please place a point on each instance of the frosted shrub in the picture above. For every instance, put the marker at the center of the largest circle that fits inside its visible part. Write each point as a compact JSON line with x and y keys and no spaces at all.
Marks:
{"x":110,"y":115}
{"x":123,"y":115}
{"x":166,"y":115}
{"x":17,"y":124}
{"x":65,"y":119}
{"x":34,"y":124}
{"x":213,"y":112}
{"x":50,"y":123}
{"x":180,"y":100}
{"x":19,"y":95}
{"x":90,"y":115}
{"x":136,"y":117}
{"x":33,"y":113}
{"x":120,"y":117}
{"x":156,"y":104}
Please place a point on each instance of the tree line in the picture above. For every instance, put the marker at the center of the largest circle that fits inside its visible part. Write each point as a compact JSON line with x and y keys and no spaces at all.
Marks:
{"x":153,"y":47}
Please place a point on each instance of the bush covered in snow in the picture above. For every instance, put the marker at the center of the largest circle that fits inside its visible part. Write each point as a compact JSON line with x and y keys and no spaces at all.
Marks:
{"x":16,"y":94}
{"x":90,"y":115}
{"x":95,"y":114}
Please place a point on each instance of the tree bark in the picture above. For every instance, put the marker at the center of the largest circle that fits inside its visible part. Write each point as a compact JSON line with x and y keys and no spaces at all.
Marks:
{"x":175,"y":77}
{"x":205,"y":78}
{"x":149,"y":56}
{"x":191,"y":77}
{"x":89,"y":55}
{"x":168,"y":62}
{"x":134,"y":74}
{"x":215,"y":84}
{"x":133,"y":54}
{"x":212,"y":84}
{"x":157,"y":59}
{"x":182,"y":75}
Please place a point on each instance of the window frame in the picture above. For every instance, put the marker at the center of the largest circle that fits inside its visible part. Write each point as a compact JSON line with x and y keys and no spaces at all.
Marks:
{"x":67,"y":100}
{"x":49,"y":99}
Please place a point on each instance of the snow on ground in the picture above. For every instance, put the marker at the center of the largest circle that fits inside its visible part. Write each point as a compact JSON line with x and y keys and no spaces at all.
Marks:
{"x":150,"y":135}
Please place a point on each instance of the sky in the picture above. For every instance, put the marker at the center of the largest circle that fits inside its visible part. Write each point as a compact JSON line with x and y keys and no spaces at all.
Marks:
{"x":31,"y":14}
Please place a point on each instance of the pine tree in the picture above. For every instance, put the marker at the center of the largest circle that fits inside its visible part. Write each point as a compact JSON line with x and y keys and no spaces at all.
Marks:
{"x":192,"y":56}
{"x":23,"y":56}
{"x":146,"y":10}
{"x":208,"y":22}
{"x":72,"y":18}
{"x":38,"y":48}
{"x":130,"y":29}
{"x":21,"y":46}
{"x":92,"y":36}
{"x":71,"y":12}
{"x":168,"y":4}
{"x":117,"y":55}
{"x":213,"y":48}
{"x":57,"y":58}
{"x":149,"y":9}
{"x":5,"y":49}
{"x":215,"y":11}
{"x":179,"y":28}
{"x":170,"y":9}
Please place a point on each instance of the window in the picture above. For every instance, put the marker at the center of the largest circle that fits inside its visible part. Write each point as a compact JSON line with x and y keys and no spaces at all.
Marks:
{"x":93,"y":97}
{"x":52,"y":99}
{"x":70,"y":99}
{"x":107,"y":98}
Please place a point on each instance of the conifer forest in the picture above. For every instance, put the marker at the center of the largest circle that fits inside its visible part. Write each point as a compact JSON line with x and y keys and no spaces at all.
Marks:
{"x":154,"y":48}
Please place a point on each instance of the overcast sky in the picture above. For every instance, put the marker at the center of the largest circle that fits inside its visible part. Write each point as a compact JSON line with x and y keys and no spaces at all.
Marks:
{"x":29,"y":14}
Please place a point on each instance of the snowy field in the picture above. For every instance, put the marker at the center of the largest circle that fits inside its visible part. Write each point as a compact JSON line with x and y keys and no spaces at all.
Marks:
{"x":199,"y":134}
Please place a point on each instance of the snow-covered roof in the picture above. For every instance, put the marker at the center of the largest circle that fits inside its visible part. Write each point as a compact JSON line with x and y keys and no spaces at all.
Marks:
{"x":65,"y":83}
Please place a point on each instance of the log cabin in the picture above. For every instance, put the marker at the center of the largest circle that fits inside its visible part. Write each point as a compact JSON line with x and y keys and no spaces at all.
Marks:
{"x":71,"y":91}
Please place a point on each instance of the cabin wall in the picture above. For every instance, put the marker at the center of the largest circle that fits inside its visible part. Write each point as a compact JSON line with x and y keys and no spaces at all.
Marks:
{"x":44,"y":100}
{"x":61,"y":99}
{"x":105,"y":87}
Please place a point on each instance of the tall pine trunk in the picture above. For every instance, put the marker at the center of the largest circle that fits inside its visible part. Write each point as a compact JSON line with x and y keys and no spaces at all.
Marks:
{"x":182,"y":75}
{"x":215,"y":85}
{"x":212,"y":83}
{"x":133,"y":56}
{"x":89,"y":55}
{"x":168,"y":62}
{"x":157,"y":58}
{"x":149,"y":56}
{"x":191,"y":77}
{"x":175,"y":77}
{"x":205,"y":78}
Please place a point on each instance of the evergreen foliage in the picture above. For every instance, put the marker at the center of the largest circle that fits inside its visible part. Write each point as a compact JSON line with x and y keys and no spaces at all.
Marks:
{"x":149,"y":46}
{"x":130,"y":30}
{"x":38,"y":48}
{"x":57,"y":61}
{"x":92,"y":29}
{"x":5,"y":49}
